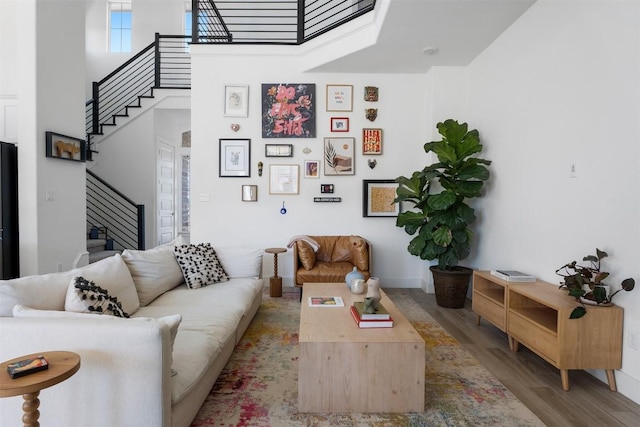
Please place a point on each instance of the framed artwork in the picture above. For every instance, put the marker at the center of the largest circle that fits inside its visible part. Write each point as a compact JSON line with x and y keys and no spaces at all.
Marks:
{"x":235,"y":158}
{"x":371,"y":141}
{"x":326,"y":188}
{"x":339,"y":97}
{"x":378,"y":196}
{"x":312,"y":168}
{"x":339,"y":156}
{"x":65,"y":147}
{"x":339,"y":124}
{"x":278,"y":150}
{"x":249,"y":193}
{"x":284,"y":179}
{"x":288,"y":110}
{"x":236,"y":100}
{"x":371,"y":93}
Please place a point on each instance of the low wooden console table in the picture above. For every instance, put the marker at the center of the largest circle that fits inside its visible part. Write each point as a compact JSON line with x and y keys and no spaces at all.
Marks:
{"x":62,"y":365}
{"x":343,"y":368}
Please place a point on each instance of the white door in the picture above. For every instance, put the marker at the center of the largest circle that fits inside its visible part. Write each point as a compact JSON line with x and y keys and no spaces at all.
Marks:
{"x":165,"y":200}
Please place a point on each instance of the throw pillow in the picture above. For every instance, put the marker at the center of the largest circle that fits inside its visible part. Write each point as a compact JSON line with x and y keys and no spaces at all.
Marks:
{"x":95,"y":299}
{"x":200,"y":265}
{"x":154,"y":271}
{"x":240,"y":262}
{"x":306,"y":255}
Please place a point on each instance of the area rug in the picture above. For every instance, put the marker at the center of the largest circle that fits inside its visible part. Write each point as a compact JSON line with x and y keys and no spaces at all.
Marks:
{"x":259,"y":385}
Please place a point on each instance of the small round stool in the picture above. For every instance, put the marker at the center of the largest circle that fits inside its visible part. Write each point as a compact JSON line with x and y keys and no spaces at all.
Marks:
{"x":275,"y":282}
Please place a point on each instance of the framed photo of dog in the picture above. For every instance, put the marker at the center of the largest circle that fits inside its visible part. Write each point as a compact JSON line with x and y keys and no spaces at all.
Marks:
{"x":65,"y":147}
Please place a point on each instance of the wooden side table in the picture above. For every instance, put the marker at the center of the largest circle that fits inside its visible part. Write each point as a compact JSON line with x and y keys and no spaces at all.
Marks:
{"x":62,"y":365}
{"x":275,"y":282}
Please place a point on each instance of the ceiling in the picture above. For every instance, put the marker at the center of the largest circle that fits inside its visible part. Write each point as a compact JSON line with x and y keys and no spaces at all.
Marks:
{"x":459,"y":29}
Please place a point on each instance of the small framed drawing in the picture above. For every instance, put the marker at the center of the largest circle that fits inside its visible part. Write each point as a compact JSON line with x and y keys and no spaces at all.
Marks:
{"x":278,"y":150}
{"x":284,"y":179}
{"x":312,"y":168}
{"x":371,"y":141}
{"x":236,"y":100}
{"x":339,"y":156}
{"x":65,"y":147}
{"x":235,"y":158}
{"x":378,"y":196}
{"x":249,"y":193}
{"x":339,"y":124}
{"x":339,"y":97}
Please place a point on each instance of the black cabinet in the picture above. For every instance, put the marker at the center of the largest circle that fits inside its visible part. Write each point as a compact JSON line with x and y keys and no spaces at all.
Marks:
{"x":9,"y":249}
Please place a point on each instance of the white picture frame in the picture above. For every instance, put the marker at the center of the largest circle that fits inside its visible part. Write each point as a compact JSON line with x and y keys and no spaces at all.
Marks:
{"x":284,"y":179}
{"x":236,"y":100}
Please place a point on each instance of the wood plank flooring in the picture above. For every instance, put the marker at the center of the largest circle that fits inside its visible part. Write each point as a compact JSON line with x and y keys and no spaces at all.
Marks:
{"x":534,"y":381}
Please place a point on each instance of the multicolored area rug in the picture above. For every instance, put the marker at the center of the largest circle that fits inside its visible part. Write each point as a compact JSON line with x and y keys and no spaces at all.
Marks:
{"x":259,"y":385}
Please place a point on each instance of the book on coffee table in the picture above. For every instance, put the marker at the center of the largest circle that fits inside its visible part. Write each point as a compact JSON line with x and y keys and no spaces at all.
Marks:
{"x":369,"y":323}
{"x":326,"y":302}
{"x":380,"y":314}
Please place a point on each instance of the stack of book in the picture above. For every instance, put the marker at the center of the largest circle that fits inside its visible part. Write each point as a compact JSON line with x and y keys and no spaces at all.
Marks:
{"x":513,"y":276}
{"x":380,"y":319}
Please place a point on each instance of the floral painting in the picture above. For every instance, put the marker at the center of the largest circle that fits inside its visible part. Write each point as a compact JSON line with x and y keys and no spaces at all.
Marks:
{"x":288,"y":110}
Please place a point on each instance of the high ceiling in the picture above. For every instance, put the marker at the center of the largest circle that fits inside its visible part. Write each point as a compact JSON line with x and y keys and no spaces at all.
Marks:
{"x":459,"y":29}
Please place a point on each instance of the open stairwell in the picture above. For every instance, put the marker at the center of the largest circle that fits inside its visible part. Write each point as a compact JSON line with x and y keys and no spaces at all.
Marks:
{"x":100,"y":249}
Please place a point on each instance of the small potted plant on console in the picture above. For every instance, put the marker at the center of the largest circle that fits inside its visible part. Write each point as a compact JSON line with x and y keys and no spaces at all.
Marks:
{"x":585,"y":283}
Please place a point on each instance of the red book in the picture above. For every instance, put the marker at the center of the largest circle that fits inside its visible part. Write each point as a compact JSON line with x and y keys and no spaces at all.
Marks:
{"x":369,"y":323}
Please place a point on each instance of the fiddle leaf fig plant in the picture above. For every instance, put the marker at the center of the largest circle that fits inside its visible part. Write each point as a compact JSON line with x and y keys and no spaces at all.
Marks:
{"x":442,"y":218}
{"x":585,"y":282}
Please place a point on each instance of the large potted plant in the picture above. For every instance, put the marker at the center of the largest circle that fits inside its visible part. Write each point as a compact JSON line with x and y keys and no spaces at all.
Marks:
{"x":441,"y":216}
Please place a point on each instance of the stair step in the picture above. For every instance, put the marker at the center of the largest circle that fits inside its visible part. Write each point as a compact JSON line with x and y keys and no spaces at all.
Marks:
{"x":97,"y":256}
{"x":96,"y":243}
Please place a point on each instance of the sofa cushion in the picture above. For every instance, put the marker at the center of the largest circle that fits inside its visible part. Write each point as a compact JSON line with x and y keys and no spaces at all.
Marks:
{"x":85,"y":296}
{"x":240,"y":262}
{"x":200,"y":265}
{"x":154,"y":271}
{"x":359,"y":252}
{"x":306,"y":255}
{"x":327,"y":272}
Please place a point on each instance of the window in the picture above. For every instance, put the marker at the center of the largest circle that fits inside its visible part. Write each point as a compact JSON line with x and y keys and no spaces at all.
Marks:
{"x":119,"y":27}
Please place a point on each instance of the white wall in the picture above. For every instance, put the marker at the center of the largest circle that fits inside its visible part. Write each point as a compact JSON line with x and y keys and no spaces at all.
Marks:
{"x":561,"y":86}
{"x":225,"y":219}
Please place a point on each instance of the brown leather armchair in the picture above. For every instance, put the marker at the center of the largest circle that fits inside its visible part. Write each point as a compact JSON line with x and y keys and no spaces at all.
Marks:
{"x":336,"y":256}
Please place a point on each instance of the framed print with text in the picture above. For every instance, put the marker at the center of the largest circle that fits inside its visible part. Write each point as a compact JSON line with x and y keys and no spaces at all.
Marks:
{"x":236,"y":100}
{"x":378,"y":196}
{"x":235,"y":158}
{"x":284,"y":179}
{"x":339,"y":97}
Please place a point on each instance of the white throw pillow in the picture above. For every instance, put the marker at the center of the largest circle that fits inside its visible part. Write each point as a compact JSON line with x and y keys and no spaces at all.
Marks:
{"x":44,"y":291}
{"x":200,"y":265}
{"x":241,"y":262}
{"x":111,"y":274}
{"x":97,"y":299}
{"x":154,"y":272}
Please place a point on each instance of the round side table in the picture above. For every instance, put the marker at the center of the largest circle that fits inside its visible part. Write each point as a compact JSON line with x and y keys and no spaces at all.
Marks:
{"x":275,"y":282}
{"x":62,"y":365}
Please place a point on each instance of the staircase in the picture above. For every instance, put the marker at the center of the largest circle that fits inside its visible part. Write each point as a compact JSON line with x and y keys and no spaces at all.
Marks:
{"x":99,"y":245}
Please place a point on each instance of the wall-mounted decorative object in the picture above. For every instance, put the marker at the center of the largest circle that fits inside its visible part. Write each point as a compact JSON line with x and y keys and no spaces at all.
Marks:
{"x":339,"y":124}
{"x":278,"y":150}
{"x":306,"y":150}
{"x":339,"y":156}
{"x":326,"y":188}
{"x":65,"y":147}
{"x":249,"y":193}
{"x":339,"y":98}
{"x":371,"y":114}
{"x":236,"y":101}
{"x":235,"y":158}
{"x":235,"y":127}
{"x":312,"y":168}
{"x":371,"y":141}
{"x":283,"y":210}
{"x":371,"y":93}
{"x":284,"y":179}
{"x":260,"y":165}
{"x":288,"y":110}
{"x":377,"y":198}
{"x":327,"y":199}
{"x":372,"y":163}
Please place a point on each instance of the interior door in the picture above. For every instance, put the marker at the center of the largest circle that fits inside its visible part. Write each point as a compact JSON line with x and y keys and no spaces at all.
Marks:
{"x":165,"y":200}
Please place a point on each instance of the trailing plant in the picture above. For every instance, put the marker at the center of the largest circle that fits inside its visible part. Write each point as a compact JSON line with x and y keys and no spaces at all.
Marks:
{"x":442,"y":219}
{"x":578,"y":278}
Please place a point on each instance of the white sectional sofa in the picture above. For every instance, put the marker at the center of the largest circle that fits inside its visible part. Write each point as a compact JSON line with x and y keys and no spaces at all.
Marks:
{"x":138,"y":371}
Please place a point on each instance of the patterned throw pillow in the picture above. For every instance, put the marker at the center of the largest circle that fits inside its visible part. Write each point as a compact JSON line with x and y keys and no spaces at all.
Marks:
{"x":200,"y":265}
{"x":96,"y":299}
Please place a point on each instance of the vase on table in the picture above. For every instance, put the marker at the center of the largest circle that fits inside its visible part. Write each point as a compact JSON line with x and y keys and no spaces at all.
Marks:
{"x":353,"y":275}
{"x":373,"y":291}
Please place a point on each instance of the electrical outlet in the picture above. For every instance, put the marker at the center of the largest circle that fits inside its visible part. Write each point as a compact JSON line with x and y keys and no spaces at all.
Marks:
{"x":634,"y":339}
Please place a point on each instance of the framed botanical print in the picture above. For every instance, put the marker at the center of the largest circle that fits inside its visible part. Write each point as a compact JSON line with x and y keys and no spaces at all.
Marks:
{"x":339,"y":156}
{"x":235,"y":158}
{"x":378,"y":196}
{"x":371,"y":141}
{"x":339,"y":97}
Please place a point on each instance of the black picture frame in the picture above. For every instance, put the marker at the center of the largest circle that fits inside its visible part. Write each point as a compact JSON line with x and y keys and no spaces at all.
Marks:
{"x":65,"y":147}
{"x":278,"y":150}
{"x":377,"y":198}
{"x":235,"y":157}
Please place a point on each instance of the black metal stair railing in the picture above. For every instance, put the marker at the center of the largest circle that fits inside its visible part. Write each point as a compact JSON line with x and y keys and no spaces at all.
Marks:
{"x":110,"y":209}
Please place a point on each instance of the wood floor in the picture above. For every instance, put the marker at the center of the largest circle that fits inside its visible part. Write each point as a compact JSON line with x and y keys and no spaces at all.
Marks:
{"x":534,"y":381}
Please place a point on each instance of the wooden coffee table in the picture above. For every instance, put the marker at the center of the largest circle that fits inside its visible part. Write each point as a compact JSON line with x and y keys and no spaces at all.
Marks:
{"x":343,"y":368}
